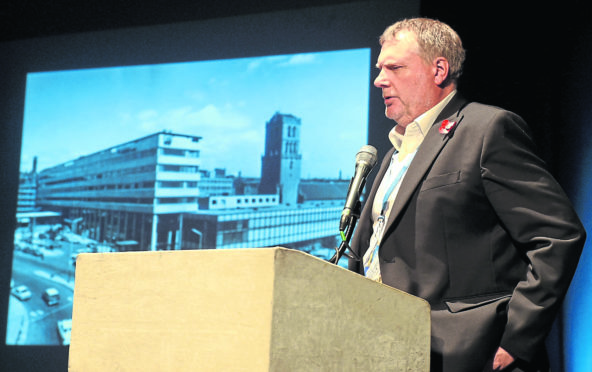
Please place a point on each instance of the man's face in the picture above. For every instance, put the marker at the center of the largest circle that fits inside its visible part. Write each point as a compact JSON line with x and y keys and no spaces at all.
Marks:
{"x":406,"y":80}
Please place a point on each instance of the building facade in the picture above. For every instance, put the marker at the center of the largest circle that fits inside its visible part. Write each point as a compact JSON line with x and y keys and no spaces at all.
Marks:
{"x":294,"y":227}
{"x":151,"y":194}
{"x":121,"y":193}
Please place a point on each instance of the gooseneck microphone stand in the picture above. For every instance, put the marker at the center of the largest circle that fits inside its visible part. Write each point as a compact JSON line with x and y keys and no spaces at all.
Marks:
{"x":346,"y":235}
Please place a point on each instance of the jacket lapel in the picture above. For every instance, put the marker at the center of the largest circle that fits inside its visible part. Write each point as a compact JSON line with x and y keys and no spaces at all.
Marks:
{"x":426,"y":154}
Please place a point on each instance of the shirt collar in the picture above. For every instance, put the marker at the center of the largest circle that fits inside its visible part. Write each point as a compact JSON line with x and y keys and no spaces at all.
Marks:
{"x":421,"y":125}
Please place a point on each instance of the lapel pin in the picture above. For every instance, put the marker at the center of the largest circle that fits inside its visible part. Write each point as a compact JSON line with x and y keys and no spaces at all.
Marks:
{"x":446,"y":126}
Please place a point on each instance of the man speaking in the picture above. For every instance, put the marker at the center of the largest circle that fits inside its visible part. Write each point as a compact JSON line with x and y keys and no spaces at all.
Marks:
{"x":463,"y":213}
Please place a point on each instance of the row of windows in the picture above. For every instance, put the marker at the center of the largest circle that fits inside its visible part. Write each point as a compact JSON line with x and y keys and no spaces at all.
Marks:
{"x":249,"y":200}
{"x":176,"y":201}
{"x":179,"y":200}
{"x":131,"y":154}
{"x":49,"y":200}
{"x":44,"y":190}
{"x":107,"y":158}
{"x":168,"y":139}
{"x":125,"y":200}
{"x":291,"y":147}
{"x":180,"y":152}
{"x":178,"y":168}
{"x":120,"y":186}
{"x":294,"y":219}
{"x":278,"y":235}
{"x":292,"y":131}
{"x":285,"y":219}
{"x":124,"y":186}
{"x":176,"y":184}
{"x":53,"y":178}
{"x":122,"y":172}
{"x":279,"y":213}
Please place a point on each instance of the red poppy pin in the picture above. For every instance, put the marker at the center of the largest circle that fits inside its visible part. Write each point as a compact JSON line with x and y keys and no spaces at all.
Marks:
{"x":447,"y":126}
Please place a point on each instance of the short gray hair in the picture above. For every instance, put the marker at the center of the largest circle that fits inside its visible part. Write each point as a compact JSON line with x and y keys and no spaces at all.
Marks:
{"x":435,"y":39}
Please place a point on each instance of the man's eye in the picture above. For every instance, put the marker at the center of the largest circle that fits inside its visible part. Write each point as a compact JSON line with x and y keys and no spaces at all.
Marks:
{"x":389,"y":67}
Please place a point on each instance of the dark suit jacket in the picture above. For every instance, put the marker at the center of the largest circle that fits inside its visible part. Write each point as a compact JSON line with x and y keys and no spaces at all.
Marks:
{"x":483,"y":232}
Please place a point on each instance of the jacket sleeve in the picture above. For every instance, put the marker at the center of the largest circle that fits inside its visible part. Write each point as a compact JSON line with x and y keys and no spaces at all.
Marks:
{"x":542,"y":223}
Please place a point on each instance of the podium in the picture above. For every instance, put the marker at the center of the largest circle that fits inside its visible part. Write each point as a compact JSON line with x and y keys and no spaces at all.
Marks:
{"x":265,"y":309}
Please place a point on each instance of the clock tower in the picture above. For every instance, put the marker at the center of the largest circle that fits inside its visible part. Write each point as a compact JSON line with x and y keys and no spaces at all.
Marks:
{"x":281,"y":163}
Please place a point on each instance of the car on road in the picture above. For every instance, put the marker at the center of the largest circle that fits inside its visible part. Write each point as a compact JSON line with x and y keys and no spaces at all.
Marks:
{"x":64,"y":330}
{"x":21,"y":292}
{"x":51,"y":296}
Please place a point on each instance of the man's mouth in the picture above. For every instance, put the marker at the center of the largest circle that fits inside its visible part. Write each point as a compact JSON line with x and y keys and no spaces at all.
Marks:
{"x":388,"y":100}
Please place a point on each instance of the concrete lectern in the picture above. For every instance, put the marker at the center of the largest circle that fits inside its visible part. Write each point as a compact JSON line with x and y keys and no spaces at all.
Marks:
{"x":266,"y":309}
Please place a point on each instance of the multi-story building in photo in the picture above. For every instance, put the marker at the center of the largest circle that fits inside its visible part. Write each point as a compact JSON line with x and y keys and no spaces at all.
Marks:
{"x":152,"y":194}
{"x":122,"y":193}
{"x":27,"y":191}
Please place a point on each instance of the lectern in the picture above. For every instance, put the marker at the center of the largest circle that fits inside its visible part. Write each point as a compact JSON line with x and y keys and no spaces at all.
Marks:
{"x":266,"y":309}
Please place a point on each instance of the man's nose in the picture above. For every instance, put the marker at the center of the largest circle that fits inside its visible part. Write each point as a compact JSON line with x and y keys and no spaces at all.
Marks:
{"x":380,"y":81}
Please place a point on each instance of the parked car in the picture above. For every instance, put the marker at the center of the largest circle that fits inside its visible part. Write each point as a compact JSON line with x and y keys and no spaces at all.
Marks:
{"x":51,"y":296}
{"x":64,"y":329}
{"x":21,"y":292}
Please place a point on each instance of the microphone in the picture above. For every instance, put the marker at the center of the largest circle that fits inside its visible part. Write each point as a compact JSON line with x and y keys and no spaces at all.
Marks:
{"x":365,"y":161}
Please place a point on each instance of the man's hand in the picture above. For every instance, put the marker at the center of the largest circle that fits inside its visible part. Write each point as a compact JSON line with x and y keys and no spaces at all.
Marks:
{"x":502,"y":360}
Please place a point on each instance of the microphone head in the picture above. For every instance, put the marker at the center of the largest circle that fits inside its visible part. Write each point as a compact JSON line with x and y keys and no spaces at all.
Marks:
{"x":365,"y":161}
{"x":367,"y":155}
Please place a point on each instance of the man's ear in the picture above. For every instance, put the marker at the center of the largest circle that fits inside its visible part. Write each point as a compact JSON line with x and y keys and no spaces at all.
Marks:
{"x":440,"y":70}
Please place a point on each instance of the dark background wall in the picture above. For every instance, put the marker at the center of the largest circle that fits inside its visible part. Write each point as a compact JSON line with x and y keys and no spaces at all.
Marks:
{"x":533,"y":60}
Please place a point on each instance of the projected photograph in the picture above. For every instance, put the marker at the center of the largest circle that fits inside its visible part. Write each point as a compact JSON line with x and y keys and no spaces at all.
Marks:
{"x":225,"y":154}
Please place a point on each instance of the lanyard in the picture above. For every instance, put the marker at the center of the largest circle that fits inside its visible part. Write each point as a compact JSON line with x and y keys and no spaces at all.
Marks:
{"x":370,"y":259}
{"x":396,"y":181}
